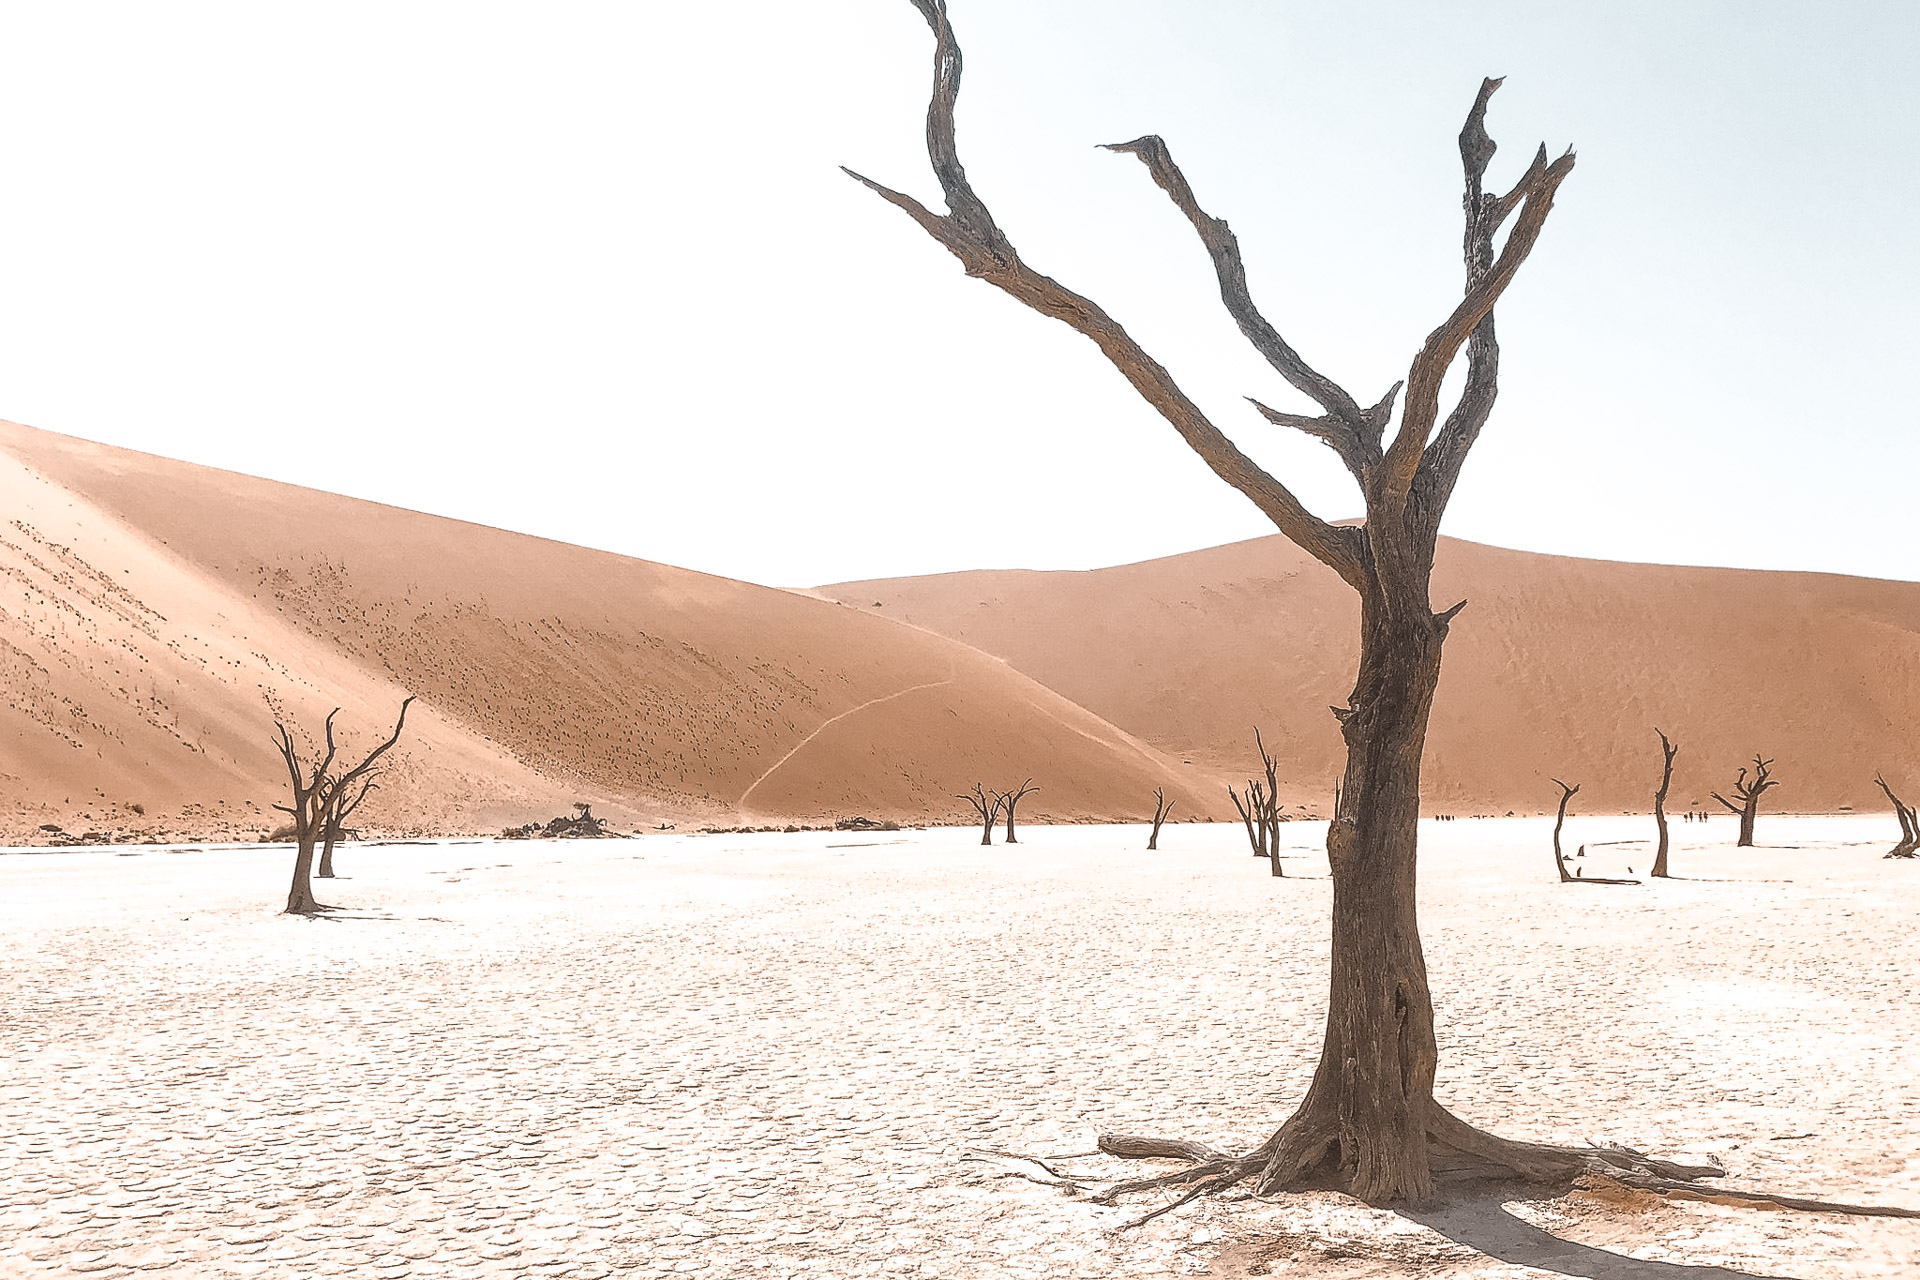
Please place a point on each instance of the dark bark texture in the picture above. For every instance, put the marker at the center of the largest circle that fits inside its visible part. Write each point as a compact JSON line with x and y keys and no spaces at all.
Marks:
{"x":1368,"y":1123}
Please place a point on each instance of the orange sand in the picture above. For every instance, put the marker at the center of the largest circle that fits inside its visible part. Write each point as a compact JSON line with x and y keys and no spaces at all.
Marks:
{"x":1557,"y":668}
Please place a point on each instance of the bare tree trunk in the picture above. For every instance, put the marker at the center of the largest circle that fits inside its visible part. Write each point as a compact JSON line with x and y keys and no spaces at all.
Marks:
{"x":1373,"y":1092}
{"x":326,"y":851}
{"x":1270,"y":806}
{"x":1566,"y":793}
{"x":1008,"y":799}
{"x":987,"y":806}
{"x":1161,"y":808}
{"x":300,"y":900}
{"x":318,"y":794}
{"x":1669,"y":751}
{"x":340,"y":807}
{"x":1271,"y":832}
{"x":1748,"y":793}
{"x":1249,"y":817}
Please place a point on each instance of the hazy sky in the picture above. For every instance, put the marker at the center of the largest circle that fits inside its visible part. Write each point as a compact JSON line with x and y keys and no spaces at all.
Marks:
{"x":591,"y":271}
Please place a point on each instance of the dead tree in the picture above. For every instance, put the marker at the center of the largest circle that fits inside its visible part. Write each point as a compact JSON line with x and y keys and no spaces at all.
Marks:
{"x":1566,"y":793}
{"x":338,"y":812}
{"x":1369,"y":1122}
{"x":314,"y":788}
{"x":987,"y":805}
{"x":1560,"y":863}
{"x":1260,"y":814}
{"x":1161,"y":808}
{"x":1250,"y":808}
{"x":1008,"y":799}
{"x":1668,"y":750}
{"x":1260,"y":809}
{"x":1909,"y":844}
{"x":1269,"y":808}
{"x":1748,"y":793}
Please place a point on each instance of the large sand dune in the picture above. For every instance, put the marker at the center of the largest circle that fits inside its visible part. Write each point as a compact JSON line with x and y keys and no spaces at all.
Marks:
{"x":159,"y":611}
{"x":1558,"y":667}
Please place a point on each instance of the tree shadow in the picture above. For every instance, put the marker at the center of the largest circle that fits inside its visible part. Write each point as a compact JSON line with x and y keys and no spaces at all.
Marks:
{"x":1482,"y":1221}
{"x":1726,"y":880}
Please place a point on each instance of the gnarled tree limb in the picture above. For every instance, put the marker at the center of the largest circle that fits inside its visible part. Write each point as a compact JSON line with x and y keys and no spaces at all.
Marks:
{"x":969,"y":232}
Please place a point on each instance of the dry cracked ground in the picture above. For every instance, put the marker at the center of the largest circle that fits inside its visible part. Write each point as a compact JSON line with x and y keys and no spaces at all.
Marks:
{"x":778,"y":1056}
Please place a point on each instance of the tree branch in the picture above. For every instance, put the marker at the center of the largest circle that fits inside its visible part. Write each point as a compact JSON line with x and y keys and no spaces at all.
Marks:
{"x":360,"y":769}
{"x":968,"y":231}
{"x":1487,"y":278}
{"x":1224,"y":248}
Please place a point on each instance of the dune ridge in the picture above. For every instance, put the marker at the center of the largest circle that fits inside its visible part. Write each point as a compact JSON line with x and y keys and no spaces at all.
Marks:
{"x":1557,"y":667}
{"x":161,"y":612}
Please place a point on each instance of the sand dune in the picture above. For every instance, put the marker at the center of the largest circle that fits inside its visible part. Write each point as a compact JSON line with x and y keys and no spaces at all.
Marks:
{"x":1558,"y":667}
{"x":160,"y":611}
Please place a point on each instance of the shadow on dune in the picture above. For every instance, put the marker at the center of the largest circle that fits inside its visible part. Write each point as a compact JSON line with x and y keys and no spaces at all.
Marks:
{"x":1483,"y":1222}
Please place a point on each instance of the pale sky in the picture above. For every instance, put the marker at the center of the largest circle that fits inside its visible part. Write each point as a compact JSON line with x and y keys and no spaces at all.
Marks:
{"x":591,"y":271}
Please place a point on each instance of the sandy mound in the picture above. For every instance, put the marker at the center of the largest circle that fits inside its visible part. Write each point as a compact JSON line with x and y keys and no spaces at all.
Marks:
{"x":162,"y":609}
{"x":1558,"y":667}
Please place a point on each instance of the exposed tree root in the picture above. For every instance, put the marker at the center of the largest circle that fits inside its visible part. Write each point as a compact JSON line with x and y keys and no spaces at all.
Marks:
{"x":1060,"y":1179}
{"x":1305,"y":1154}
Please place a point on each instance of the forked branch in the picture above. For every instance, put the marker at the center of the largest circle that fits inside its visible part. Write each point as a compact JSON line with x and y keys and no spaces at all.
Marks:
{"x":968,"y":231}
{"x":1007,"y":800}
{"x":1533,"y":197}
{"x":1350,"y":431}
{"x":987,"y":805}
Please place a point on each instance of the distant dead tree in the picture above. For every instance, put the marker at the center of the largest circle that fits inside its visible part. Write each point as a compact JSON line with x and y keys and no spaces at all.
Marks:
{"x":1260,"y":811}
{"x":1008,"y":799}
{"x":1559,"y":861}
{"x":1668,"y":750}
{"x":339,"y":810}
{"x":1252,"y":806}
{"x":1566,"y":793}
{"x":987,"y":805}
{"x":1909,"y":844}
{"x":1161,"y":808}
{"x":1368,"y":1123}
{"x":1748,"y":792}
{"x":314,"y":787}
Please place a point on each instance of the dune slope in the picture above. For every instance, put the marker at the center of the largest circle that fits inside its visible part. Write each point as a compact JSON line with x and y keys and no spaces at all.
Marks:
{"x":1558,"y":668}
{"x":159,"y":612}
